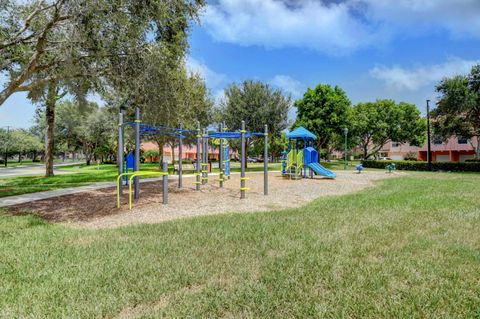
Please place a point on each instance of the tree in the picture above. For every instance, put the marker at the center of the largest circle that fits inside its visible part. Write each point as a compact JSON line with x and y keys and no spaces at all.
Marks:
{"x":79,"y":45}
{"x":458,"y":108}
{"x":257,"y":104}
{"x":97,"y":134}
{"x":23,"y":142}
{"x":20,"y":142}
{"x":168,"y":95}
{"x":325,"y":112}
{"x":376,"y":123}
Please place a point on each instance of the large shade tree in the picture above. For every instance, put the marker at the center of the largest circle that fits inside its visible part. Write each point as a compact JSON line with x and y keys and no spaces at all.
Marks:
{"x":79,"y":45}
{"x":374,"y":124}
{"x":257,"y":104}
{"x":458,"y":108}
{"x":325,"y":111}
{"x":167,"y":94}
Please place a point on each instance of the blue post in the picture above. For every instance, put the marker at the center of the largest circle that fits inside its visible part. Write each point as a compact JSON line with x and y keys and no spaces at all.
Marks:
{"x":304,"y":158}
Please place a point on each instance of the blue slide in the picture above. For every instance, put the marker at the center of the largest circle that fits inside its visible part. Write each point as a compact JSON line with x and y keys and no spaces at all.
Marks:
{"x":320,"y":170}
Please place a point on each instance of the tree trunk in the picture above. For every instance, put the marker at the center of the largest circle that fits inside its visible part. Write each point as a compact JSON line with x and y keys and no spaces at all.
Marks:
{"x":160,"y":155}
{"x":50,"y":122}
{"x":20,"y":157}
{"x":172,"y":146}
{"x":365,"y":151}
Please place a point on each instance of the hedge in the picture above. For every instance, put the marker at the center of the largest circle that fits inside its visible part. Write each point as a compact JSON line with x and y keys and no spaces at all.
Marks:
{"x":423,"y":166}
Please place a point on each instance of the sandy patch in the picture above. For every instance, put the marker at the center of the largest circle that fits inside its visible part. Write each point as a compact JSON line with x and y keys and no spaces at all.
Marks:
{"x":97,"y":209}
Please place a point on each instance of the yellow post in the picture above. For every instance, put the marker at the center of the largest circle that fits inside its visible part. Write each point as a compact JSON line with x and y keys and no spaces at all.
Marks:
{"x":130,"y":180}
{"x":119,"y":177}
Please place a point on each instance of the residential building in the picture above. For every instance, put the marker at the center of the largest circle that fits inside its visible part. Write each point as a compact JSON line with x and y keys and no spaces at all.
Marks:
{"x":454,"y":149}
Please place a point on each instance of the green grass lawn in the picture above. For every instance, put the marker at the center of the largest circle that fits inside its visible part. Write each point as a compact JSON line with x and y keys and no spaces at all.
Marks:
{"x":409,"y":247}
{"x":27,"y":163}
{"x":15,"y":163}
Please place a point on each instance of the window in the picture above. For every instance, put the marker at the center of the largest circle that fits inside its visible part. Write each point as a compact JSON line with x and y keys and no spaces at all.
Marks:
{"x":462,"y":140}
{"x":437,"y":141}
{"x":395,"y":144}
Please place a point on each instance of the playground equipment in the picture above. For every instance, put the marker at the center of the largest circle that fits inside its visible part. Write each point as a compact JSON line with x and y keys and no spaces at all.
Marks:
{"x":359,"y":168}
{"x":133,"y":162}
{"x":129,"y":165}
{"x":391,"y":167}
{"x":296,"y":161}
{"x":202,"y":147}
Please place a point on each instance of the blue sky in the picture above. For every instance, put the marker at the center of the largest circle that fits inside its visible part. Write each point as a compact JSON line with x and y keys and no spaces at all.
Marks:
{"x":371,"y":48}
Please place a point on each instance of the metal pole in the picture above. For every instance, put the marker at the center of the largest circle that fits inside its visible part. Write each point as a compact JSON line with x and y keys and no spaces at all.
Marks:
{"x":180,"y":159}
{"x":265,"y":162}
{"x":136,"y":166}
{"x":242,"y":175}
{"x":345,"y":130}
{"x":165,"y":183}
{"x":203,"y":158}
{"x":228,"y":153}
{"x":6,"y":145}
{"x":120,"y":148}
{"x":429,"y":155}
{"x":199,"y":138}
{"x":207,"y":167}
{"x":220,"y":157}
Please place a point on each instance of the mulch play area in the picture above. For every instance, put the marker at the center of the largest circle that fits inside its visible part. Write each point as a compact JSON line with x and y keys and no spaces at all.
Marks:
{"x":97,"y":209}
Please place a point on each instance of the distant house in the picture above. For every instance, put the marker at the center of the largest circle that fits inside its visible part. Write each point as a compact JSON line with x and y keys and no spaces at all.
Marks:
{"x":454,"y":149}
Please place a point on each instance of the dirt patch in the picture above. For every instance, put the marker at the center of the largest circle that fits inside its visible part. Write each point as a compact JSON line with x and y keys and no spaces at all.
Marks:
{"x":97,"y":209}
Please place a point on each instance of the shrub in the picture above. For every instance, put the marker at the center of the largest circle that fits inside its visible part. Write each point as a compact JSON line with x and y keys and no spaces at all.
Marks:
{"x":472,"y":160}
{"x":423,"y":166}
{"x":410,"y":156}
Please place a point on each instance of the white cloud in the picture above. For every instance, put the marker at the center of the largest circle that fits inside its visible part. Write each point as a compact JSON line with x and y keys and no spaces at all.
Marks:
{"x":275,"y":24}
{"x":412,"y":79}
{"x":212,"y":79}
{"x":459,"y":17}
{"x":288,"y":84}
{"x":336,"y":27}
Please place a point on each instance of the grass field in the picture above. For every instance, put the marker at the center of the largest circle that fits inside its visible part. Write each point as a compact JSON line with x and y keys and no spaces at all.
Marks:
{"x":409,"y":247}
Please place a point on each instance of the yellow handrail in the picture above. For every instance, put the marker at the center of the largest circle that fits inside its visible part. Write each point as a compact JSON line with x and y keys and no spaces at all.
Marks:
{"x":132,"y":175}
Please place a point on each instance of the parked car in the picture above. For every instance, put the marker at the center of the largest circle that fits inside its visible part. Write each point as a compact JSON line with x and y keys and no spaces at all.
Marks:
{"x":384,"y":159}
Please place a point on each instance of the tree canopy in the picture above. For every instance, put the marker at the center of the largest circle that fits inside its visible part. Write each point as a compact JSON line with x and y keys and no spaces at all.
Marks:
{"x":51,"y":47}
{"x":458,"y":107}
{"x":257,"y":104}
{"x":325,"y":111}
{"x":57,"y":40}
{"x":377,"y":123}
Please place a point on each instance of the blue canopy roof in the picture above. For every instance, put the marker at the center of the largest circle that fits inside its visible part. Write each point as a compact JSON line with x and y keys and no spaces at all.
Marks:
{"x":301,"y":132}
